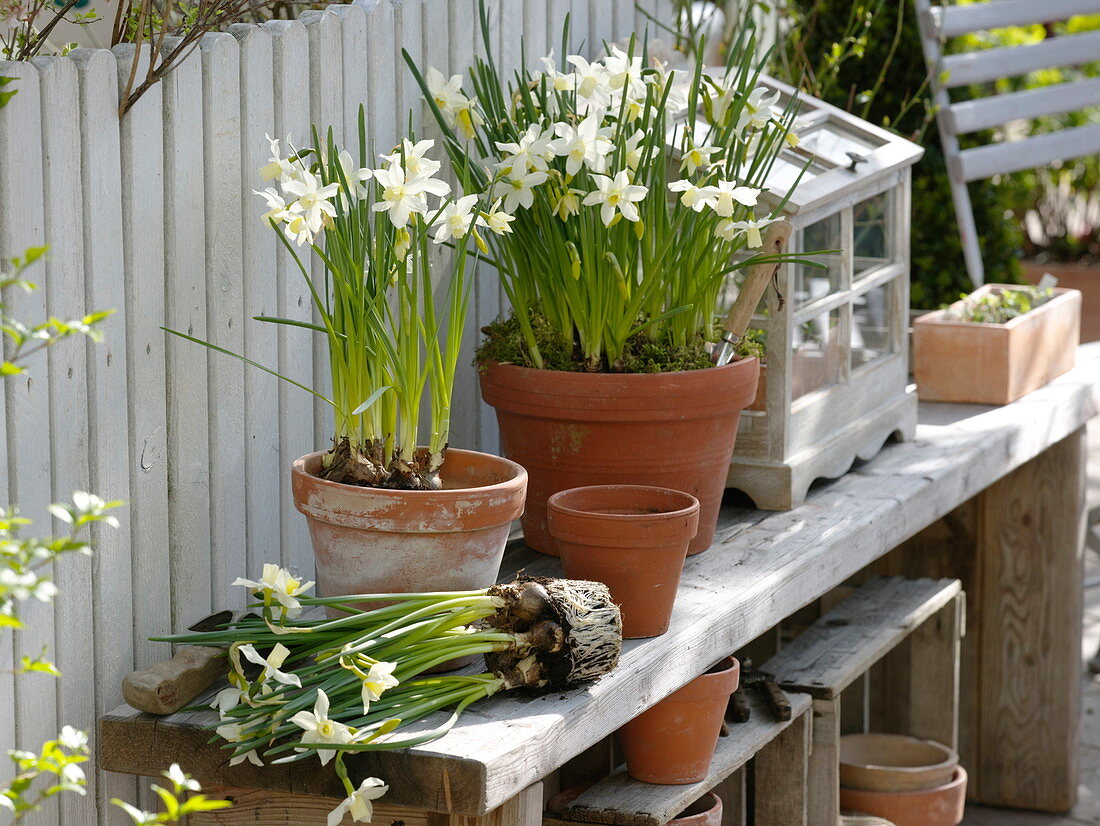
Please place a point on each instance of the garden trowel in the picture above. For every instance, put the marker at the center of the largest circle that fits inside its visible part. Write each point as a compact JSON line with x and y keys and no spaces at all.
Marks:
{"x":752,"y":290}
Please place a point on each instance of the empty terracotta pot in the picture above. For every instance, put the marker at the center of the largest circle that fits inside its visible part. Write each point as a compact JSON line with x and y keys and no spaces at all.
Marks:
{"x":674,"y":741}
{"x":706,"y":811}
{"x":672,"y":430}
{"x":941,"y":806}
{"x":370,"y":540}
{"x":632,"y":538}
{"x":894,"y":763}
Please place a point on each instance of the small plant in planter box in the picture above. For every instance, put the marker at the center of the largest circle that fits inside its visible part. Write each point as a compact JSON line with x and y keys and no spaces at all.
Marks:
{"x":996,"y":344}
{"x":387,"y":513}
{"x":627,"y":227}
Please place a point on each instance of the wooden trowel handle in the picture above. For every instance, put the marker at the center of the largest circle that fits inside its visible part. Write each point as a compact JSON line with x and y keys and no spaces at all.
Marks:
{"x":756,"y":282}
{"x":167,"y":687}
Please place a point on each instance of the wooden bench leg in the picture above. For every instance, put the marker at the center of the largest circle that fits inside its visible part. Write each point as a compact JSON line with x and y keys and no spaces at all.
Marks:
{"x":823,"y":775}
{"x":1027,"y":683}
{"x":253,"y":806}
{"x":781,"y":775}
{"x":732,"y":792}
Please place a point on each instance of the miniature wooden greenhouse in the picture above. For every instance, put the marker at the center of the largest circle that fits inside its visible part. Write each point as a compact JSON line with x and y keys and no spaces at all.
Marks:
{"x":835,"y":381}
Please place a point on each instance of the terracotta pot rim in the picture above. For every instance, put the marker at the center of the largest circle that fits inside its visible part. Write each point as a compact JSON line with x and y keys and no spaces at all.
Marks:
{"x":958,"y":778}
{"x":715,"y":802}
{"x":951,"y":758}
{"x":518,"y":477}
{"x":484,"y":367}
{"x":559,"y":502}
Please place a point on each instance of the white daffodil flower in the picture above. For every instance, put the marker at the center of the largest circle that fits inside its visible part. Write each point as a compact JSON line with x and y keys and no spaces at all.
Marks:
{"x":401,"y":197}
{"x":271,"y":664}
{"x":413,"y":158}
{"x":583,"y":144}
{"x":759,"y":109}
{"x":312,"y":198}
{"x":726,"y":194}
{"x":277,"y":167}
{"x":447,"y":93}
{"x":140,"y":818}
{"x":625,"y":72}
{"x":278,"y":583}
{"x":559,"y":81}
{"x":497,"y":220}
{"x":297,"y":230}
{"x":226,"y":700}
{"x":72,"y":739}
{"x":251,"y":756}
{"x":729,"y":229}
{"x":532,"y":151}
{"x":616,"y":196}
{"x":358,"y":805}
{"x":319,"y":729}
{"x":276,"y":205}
{"x":518,"y":191}
{"x":183,"y":781}
{"x":73,"y":775}
{"x":567,"y":203}
{"x":696,"y":157}
{"x":455,"y":220}
{"x":693,"y":197}
{"x":356,"y":176}
{"x":590,"y":82}
{"x":379,"y":678}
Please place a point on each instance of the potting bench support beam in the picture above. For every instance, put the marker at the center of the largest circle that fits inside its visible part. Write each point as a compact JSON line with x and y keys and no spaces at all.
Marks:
{"x":252,"y":806}
{"x":1017,"y":547}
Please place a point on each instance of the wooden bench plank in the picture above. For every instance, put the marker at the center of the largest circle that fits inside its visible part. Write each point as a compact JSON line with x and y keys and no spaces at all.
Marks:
{"x":762,"y":568}
{"x":621,"y":801}
{"x":840,"y":646}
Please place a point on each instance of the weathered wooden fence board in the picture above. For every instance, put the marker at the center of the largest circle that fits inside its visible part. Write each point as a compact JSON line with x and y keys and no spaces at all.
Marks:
{"x":154,"y":217}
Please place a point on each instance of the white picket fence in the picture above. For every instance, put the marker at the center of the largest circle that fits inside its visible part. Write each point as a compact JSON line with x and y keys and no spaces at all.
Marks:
{"x":153,"y":216}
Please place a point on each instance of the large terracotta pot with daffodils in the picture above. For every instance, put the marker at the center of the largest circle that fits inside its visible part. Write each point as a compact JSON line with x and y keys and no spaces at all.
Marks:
{"x":673,"y":430}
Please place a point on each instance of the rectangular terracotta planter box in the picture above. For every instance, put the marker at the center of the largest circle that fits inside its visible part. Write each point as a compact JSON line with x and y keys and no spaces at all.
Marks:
{"x":979,"y":363}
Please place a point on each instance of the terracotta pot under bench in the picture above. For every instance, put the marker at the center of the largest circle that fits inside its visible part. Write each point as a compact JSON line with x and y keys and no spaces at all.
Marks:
{"x":979,"y":363}
{"x":377,"y":541}
{"x":673,"y":742}
{"x":671,"y":430}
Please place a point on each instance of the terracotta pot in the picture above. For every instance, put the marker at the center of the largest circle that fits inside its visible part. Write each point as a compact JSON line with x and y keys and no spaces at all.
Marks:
{"x":894,"y":763}
{"x":706,"y":811}
{"x":760,"y":400}
{"x":559,"y":802}
{"x":673,"y":742}
{"x":966,"y":361}
{"x":369,"y":540}
{"x":1075,"y":276}
{"x":632,"y":538}
{"x":672,"y":430}
{"x":941,"y":806}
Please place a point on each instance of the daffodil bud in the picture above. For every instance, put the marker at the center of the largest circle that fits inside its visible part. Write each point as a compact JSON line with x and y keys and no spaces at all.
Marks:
{"x":639,"y":230}
{"x":575,"y":257}
{"x":793,"y":139}
{"x":620,"y":278}
{"x":481,"y":245}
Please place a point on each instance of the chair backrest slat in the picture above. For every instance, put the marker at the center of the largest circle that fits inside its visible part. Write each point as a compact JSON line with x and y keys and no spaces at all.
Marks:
{"x":956,"y":20}
{"x":1013,"y":61}
{"x":1002,"y":158}
{"x":987,"y":113}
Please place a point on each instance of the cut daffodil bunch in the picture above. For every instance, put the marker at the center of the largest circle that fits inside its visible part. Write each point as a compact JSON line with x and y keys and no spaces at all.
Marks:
{"x":303,"y":683}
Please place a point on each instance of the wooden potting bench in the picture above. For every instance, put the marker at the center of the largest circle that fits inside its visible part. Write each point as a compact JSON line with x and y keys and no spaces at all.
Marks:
{"x":993,"y":497}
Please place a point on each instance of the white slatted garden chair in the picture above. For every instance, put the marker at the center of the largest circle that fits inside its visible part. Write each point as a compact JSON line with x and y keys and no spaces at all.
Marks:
{"x":938,"y":23}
